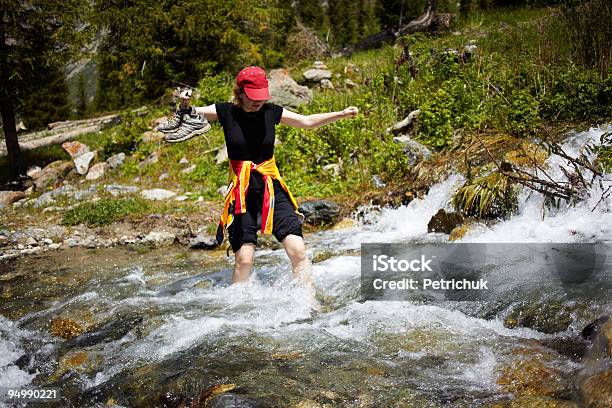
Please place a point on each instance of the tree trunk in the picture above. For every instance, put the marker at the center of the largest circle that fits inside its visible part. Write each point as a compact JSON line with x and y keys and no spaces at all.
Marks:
{"x":16,"y":164}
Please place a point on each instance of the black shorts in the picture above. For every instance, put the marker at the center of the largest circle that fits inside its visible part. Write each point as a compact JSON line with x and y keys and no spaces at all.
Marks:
{"x":245,"y":226}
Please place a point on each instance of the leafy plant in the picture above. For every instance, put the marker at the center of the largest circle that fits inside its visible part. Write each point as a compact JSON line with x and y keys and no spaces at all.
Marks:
{"x":490,"y":196}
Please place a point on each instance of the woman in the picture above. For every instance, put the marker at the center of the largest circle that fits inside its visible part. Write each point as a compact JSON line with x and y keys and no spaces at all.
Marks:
{"x":256,"y":189}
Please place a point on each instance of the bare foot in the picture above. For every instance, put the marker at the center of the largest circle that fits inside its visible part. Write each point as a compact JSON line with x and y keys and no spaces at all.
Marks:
{"x":304,"y":277}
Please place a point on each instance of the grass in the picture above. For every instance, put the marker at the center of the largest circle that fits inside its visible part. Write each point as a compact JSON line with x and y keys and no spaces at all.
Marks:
{"x":105,"y":212}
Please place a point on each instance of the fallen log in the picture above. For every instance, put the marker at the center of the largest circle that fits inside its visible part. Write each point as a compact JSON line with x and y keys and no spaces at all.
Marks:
{"x":54,"y":139}
{"x":81,"y":122}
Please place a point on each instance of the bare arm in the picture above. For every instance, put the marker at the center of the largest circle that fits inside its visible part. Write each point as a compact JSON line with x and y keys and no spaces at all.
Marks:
{"x":316,"y":120}
{"x":210,"y":111}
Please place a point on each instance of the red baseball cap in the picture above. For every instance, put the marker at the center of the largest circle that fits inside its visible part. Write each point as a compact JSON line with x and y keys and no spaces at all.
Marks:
{"x":254,"y":82}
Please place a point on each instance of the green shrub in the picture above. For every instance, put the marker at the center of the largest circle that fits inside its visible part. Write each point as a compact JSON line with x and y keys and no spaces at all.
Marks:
{"x":104,"y":212}
{"x":214,"y":88}
{"x":523,"y":113}
{"x":577,"y":94}
{"x":456,"y":104}
{"x":125,"y":137}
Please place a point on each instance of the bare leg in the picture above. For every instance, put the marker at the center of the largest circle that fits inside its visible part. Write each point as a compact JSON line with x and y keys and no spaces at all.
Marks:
{"x":244,"y":262}
{"x":296,"y":251}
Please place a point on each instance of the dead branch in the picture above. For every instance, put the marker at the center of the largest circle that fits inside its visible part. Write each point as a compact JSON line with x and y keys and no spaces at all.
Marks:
{"x":549,"y":188}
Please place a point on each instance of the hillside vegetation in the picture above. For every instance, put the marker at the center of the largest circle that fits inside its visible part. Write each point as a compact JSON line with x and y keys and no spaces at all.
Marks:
{"x":535,"y":73}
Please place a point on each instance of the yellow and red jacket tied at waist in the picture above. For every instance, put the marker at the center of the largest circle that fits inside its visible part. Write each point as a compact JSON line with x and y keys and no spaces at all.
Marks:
{"x":235,"y":199}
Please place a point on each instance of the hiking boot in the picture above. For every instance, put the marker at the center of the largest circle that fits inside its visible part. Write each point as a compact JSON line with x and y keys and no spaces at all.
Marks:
{"x":175,"y":121}
{"x":192,"y":124}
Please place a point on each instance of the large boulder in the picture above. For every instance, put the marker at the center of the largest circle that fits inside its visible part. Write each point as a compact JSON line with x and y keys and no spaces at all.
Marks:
{"x":600,"y":333}
{"x":227,"y":400}
{"x":285,"y":91}
{"x":96,"y":171}
{"x":53,"y":173}
{"x":316,"y":75}
{"x":596,"y":389}
{"x":115,"y":160}
{"x":444,"y":222}
{"x":83,"y":161}
{"x":319,"y":212}
{"x":75,"y":149}
{"x":9,"y":197}
{"x":157,"y":194}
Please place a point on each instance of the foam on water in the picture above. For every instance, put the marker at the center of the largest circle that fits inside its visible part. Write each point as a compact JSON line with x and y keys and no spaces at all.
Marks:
{"x":11,"y":338}
{"x":406,"y":223}
{"x":361,"y":320}
{"x":241,"y":308}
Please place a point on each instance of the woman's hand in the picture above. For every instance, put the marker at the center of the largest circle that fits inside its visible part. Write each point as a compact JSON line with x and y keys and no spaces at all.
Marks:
{"x":184,"y":98}
{"x":350,"y":112}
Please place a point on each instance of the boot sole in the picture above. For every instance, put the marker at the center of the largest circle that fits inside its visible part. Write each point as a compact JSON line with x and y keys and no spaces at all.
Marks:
{"x":190,"y":135}
{"x":168,"y":131}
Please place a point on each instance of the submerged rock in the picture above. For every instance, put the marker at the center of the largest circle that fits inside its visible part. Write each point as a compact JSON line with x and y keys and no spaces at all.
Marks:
{"x":65,"y":328}
{"x":461,"y":231}
{"x":113,"y":330}
{"x":533,"y":377}
{"x":344,"y":224}
{"x":228,"y":400}
{"x":548,"y":317}
{"x":600,"y":332}
{"x":596,"y":389}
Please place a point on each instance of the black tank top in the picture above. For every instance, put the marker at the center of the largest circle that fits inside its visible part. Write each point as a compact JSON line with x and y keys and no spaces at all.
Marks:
{"x":249,"y":135}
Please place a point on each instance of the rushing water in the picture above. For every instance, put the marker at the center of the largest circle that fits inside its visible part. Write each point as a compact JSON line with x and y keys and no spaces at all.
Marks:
{"x":165,"y":325}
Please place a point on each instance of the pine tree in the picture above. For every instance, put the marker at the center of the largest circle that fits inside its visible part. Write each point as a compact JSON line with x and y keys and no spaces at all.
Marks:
{"x":34,"y":36}
{"x":48,"y":101}
{"x":171,"y":42}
